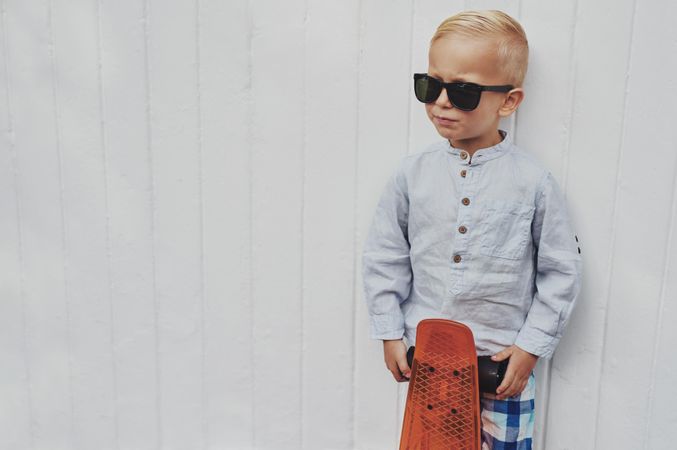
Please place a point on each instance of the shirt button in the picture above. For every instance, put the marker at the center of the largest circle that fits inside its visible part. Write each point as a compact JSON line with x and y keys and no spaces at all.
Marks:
{"x":466,"y":201}
{"x":457,"y":258}
{"x":464,"y":155}
{"x":463,"y":173}
{"x":462,"y":229}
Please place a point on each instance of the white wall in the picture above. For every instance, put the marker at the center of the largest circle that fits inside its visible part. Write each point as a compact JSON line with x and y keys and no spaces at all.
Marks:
{"x":185,"y":187}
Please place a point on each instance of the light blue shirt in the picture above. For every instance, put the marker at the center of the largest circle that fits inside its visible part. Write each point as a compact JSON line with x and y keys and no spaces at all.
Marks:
{"x":485,"y":241}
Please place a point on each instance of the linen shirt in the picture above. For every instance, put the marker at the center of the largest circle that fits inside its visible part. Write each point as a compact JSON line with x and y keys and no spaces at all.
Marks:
{"x":483,"y":240}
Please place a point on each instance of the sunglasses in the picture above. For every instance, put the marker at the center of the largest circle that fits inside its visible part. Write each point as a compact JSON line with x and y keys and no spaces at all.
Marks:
{"x":464,"y":96}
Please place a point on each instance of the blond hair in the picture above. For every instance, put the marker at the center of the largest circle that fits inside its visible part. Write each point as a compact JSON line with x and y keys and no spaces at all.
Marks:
{"x":512,"y":47}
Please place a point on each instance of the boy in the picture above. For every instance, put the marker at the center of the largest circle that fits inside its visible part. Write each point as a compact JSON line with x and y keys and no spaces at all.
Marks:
{"x":474,"y":229}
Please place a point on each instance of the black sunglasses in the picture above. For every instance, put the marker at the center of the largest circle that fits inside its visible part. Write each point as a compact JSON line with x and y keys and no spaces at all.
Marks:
{"x":464,"y":96}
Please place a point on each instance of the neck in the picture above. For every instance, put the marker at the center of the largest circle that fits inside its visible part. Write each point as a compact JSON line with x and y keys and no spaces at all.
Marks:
{"x":471,"y":146}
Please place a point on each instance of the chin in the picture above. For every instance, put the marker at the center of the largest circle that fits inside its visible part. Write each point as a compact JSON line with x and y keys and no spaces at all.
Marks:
{"x":448,"y":134}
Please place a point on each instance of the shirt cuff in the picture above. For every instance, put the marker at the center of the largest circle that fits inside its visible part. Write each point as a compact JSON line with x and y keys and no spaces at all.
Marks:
{"x":537,"y":342}
{"x":385,"y":327}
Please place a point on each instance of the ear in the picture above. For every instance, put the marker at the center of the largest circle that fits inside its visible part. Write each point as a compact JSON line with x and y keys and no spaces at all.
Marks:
{"x":511,"y":101}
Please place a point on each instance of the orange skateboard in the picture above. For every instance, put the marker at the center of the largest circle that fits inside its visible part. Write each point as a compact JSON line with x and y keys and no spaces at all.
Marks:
{"x":443,"y":410}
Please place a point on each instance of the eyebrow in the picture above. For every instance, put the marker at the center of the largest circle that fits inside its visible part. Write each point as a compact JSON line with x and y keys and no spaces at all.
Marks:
{"x":454,"y":80}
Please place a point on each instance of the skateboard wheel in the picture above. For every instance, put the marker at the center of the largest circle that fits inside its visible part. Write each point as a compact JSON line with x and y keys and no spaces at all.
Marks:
{"x":410,"y":356}
{"x":490,"y":373}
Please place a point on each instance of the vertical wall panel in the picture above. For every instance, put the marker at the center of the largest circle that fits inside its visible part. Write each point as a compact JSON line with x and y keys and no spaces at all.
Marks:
{"x":546,"y":110}
{"x":15,"y":420}
{"x":645,"y":197}
{"x":224,"y":88}
{"x":76,"y":62}
{"x":662,"y":417}
{"x":596,"y":129}
{"x":126,"y":137}
{"x":328,"y":224}
{"x":178,"y":247}
{"x":45,"y":297}
{"x":277,"y":202}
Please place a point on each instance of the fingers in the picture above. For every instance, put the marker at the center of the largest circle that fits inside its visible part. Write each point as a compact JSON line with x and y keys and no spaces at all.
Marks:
{"x":510,"y":384}
{"x":395,"y":355}
{"x":396,"y":372}
{"x":515,"y":387}
{"x":507,"y":383}
{"x":404,"y":367}
{"x":399,"y":368}
{"x":513,"y":383}
{"x":502,"y":355}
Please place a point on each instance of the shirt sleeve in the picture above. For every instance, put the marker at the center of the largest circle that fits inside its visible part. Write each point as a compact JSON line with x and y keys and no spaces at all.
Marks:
{"x":558,"y":272}
{"x":386,"y":267}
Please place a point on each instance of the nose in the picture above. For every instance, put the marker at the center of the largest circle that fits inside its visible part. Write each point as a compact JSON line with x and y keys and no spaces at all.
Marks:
{"x":443,"y":99}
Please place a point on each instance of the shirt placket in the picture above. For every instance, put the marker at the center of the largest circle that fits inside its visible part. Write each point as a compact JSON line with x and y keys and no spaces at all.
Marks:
{"x":464,"y":226}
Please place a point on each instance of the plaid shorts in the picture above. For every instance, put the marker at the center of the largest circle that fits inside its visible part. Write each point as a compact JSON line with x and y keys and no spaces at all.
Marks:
{"x":508,"y":424}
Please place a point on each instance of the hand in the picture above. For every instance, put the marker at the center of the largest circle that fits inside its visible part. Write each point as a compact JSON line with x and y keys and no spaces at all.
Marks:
{"x":395,"y":355}
{"x":517,"y":374}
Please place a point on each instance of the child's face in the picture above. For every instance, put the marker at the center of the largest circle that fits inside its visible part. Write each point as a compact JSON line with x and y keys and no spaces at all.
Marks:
{"x":460,"y":58}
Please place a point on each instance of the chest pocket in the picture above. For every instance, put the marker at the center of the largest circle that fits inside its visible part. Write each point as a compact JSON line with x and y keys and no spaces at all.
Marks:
{"x":507,"y":229}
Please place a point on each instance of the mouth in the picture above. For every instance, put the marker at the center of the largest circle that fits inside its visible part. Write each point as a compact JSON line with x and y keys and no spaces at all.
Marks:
{"x":444,"y":120}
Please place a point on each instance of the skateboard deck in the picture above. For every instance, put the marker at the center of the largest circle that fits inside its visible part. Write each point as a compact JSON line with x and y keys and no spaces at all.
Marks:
{"x":442,"y":410}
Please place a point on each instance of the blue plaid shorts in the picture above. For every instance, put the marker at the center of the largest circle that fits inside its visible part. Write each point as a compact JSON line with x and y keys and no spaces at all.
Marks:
{"x":508,"y":424}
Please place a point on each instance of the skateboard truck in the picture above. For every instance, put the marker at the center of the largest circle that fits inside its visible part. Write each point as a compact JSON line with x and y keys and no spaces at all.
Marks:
{"x":489,"y":373}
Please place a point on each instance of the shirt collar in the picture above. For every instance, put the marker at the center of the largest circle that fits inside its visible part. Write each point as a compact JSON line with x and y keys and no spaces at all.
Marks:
{"x":483,"y":154}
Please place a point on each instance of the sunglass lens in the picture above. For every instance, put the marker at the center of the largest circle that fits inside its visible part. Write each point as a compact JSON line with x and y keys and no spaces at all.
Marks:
{"x":464,"y":98}
{"x":427,"y":89}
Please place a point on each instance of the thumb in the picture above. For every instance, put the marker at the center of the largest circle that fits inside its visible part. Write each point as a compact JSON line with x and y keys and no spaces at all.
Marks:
{"x":404,"y":367}
{"x":502,"y":355}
